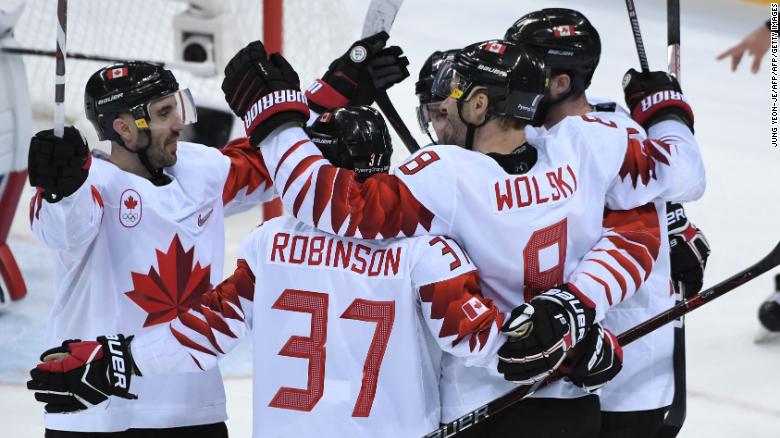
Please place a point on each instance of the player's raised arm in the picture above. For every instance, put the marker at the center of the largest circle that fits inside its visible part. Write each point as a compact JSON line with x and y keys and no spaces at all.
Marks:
{"x":332,"y":199}
{"x":247,"y":182}
{"x":667,"y":165}
{"x":66,"y":210}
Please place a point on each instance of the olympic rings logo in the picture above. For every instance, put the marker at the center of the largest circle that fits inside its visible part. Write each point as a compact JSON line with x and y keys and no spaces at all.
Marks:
{"x":131,"y":217}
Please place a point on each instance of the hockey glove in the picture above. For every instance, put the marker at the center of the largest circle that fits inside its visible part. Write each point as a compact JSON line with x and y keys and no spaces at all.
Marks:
{"x":58,"y":165}
{"x":655,"y":96}
{"x":264,"y":91}
{"x":541,"y":332}
{"x":83,"y":374}
{"x":354,"y":77}
{"x":689,"y":250}
{"x":601,"y":360}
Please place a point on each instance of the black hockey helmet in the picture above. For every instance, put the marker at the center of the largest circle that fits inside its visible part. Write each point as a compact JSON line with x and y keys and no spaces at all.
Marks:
{"x":514,"y":77}
{"x":130,"y":87}
{"x":354,"y":137}
{"x":564,"y":38}
{"x":428,"y":71}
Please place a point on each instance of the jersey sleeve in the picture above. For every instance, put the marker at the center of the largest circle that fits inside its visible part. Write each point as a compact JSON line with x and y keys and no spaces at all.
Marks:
{"x":247,"y":182}
{"x":463,"y":322}
{"x":621,"y":260}
{"x":665,"y":166}
{"x":71,"y":223}
{"x":334,"y":200}
{"x":198,"y":338}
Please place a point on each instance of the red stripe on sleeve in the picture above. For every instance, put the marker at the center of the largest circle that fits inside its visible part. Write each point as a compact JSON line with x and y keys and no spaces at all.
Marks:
{"x":287,"y":153}
{"x":189,"y":343}
{"x":604,"y":284}
{"x":247,"y":169}
{"x":300,"y":169}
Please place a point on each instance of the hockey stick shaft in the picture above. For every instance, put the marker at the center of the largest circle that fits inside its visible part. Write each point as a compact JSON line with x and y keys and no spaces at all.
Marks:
{"x":640,"y":46}
{"x":381,"y":16}
{"x":384,"y":103}
{"x":59,"y":78}
{"x":673,"y":37}
{"x":202,"y":69}
{"x":492,"y":408}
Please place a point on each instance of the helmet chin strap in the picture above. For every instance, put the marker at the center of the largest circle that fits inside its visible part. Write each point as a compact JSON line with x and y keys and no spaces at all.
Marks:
{"x":471,"y":129}
{"x":157,"y":178}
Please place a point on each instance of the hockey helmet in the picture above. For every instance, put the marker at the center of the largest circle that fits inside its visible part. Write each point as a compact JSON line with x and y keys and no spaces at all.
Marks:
{"x":130,"y":87}
{"x":565,"y":39}
{"x":354,"y":137}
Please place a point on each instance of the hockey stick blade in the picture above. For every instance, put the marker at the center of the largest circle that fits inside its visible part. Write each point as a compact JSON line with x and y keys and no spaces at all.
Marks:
{"x":380,"y":16}
{"x":482,"y":413}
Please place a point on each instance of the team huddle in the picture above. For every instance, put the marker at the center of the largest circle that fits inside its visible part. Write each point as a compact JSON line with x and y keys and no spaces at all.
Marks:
{"x":538,"y":224}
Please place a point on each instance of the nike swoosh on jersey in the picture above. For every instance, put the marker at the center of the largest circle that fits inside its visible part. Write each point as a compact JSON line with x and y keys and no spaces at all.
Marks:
{"x":202,"y":220}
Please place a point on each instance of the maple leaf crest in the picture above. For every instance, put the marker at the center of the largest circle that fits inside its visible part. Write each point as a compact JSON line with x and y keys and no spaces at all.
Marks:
{"x":130,"y":203}
{"x":177,"y":287}
{"x":641,"y":158}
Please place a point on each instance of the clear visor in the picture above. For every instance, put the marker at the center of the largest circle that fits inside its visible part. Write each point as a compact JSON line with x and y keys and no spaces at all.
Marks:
{"x":443,"y":81}
{"x":429,"y":117}
{"x":178,"y":107}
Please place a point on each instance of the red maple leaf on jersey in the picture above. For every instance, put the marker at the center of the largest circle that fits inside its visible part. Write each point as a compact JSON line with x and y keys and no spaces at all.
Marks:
{"x":641,"y":158}
{"x":130,"y":203}
{"x":177,"y":287}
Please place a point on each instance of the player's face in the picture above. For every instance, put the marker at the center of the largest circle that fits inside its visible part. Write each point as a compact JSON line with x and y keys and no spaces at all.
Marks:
{"x":451,"y":129}
{"x":165,"y":127}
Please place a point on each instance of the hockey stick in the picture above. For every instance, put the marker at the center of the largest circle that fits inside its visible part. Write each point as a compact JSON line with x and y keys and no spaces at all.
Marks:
{"x":59,"y":80}
{"x":492,"y":408}
{"x":198,"y":68}
{"x":380,"y":16}
{"x":675,"y":417}
{"x":640,"y":46}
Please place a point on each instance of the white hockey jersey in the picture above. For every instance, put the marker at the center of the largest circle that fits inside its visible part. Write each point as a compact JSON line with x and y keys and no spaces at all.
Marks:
{"x":348,"y":334}
{"x":130,"y":256}
{"x":526,"y":232}
{"x":647,"y":379}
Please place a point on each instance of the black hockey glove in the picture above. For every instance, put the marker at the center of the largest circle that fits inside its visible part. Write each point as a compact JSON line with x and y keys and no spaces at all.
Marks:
{"x":600,"y":362}
{"x":354,"y":77}
{"x":655,"y":96}
{"x":689,"y":250}
{"x":58,"y":165}
{"x":264,"y":91}
{"x":541,"y":332}
{"x":87,"y":374}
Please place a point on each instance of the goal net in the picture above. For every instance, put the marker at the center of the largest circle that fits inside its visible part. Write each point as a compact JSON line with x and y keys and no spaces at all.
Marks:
{"x":314,"y":33}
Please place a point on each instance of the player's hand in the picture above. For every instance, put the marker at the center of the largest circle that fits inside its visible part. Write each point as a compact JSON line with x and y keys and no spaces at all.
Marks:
{"x":601,"y":360}
{"x":264,"y":91}
{"x":58,"y":165}
{"x":354,"y":77}
{"x":541,"y":332}
{"x":689,"y":250}
{"x":655,"y":96}
{"x":756,"y":43}
{"x":78,"y":375}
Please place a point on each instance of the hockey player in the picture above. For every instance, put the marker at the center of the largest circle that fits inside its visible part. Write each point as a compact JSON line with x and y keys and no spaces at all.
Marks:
{"x":635,"y":402}
{"x":497,"y":91}
{"x":138,"y":237}
{"x":367,"y":320}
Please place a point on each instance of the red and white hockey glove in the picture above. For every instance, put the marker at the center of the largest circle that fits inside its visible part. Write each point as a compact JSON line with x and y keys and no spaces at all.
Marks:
{"x":264,"y":91}
{"x":689,"y":250}
{"x":601,"y":360}
{"x":655,"y":96}
{"x":541,"y":332}
{"x":79,"y":375}
{"x":354,"y":77}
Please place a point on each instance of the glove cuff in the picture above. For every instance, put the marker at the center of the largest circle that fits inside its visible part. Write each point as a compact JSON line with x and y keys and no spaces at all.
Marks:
{"x":323,"y":97}
{"x":120,"y":367}
{"x":658,"y":106}
{"x":272,"y":110}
